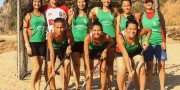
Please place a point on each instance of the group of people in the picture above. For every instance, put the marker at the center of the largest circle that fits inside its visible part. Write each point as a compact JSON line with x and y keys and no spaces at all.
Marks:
{"x":52,"y":32}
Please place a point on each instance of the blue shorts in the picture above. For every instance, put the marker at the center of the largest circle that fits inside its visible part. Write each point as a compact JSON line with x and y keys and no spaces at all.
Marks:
{"x":160,"y":54}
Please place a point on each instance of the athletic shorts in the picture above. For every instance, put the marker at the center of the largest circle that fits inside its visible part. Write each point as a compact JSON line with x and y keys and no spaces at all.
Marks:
{"x":38,"y":48}
{"x":78,"y":47}
{"x":131,"y":55}
{"x":95,"y":53}
{"x":160,"y":54}
{"x":60,"y":53}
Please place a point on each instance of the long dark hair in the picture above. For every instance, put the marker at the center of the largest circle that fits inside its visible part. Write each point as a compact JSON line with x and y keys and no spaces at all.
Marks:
{"x":96,"y":22}
{"x":29,"y":9}
{"x":76,"y":9}
{"x":110,"y":6}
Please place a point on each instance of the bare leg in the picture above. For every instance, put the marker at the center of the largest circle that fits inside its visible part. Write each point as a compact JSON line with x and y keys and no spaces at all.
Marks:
{"x":76,"y":67}
{"x":67,"y":73}
{"x":89,"y":81}
{"x":150,"y":73}
{"x":40,"y":59}
{"x":34,"y":73}
{"x":161,"y":67}
{"x":103,"y":75}
{"x":49,"y":73}
{"x":110,"y":60}
{"x":121,"y":72}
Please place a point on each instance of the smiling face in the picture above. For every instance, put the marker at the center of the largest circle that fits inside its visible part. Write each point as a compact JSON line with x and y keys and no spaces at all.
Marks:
{"x":106,"y":3}
{"x":148,"y":5}
{"x":81,"y":4}
{"x":59,"y":28}
{"x":131,"y":30}
{"x":96,"y":31}
{"x":36,"y":4}
{"x":126,"y":6}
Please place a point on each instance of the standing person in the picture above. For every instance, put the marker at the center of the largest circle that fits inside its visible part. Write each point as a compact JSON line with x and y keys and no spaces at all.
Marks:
{"x":58,"y":47}
{"x":106,"y":15}
{"x":121,"y":19}
{"x":129,"y":46}
{"x":153,"y":19}
{"x":35,"y":44}
{"x":52,"y":11}
{"x":79,"y":21}
{"x":94,"y":43}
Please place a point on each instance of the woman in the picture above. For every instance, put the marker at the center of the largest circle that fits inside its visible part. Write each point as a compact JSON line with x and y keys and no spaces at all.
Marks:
{"x":154,"y":19}
{"x":35,"y":44}
{"x":106,"y":15}
{"x":122,"y":19}
{"x":58,"y":46}
{"x":94,"y":43}
{"x":79,"y":21}
{"x":129,"y":46}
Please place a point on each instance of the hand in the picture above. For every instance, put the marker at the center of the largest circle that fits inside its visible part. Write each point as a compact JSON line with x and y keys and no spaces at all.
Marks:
{"x":145,"y":45}
{"x":30,"y":31}
{"x":71,"y":13}
{"x":29,"y":50}
{"x":103,"y":55}
{"x":163,"y":46}
{"x":89,"y":74}
{"x":130,"y":75}
{"x":68,"y":50}
{"x":137,"y":16}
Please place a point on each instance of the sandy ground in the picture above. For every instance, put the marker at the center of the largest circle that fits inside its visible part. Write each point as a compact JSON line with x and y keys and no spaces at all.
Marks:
{"x":9,"y":80}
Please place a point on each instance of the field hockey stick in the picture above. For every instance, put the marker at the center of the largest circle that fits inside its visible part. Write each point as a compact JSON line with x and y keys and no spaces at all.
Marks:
{"x":91,"y":73}
{"x":130,"y":80}
{"x":55,"y":72}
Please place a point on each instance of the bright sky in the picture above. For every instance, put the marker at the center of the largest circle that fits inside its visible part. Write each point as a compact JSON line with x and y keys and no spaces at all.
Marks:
{"x":1,"y":2}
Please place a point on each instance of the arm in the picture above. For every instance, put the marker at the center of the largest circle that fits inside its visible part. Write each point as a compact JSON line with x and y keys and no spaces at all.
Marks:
{"x":86,"y":52}
{"x":71,"y":42}
{"x":147,"y":32}
{"x":92,"y":14}
{"x":120,"y":43}
{"x":71,"y":14}
{"x":51,"y":50}
{"x":118,"y":29}
{"x":110,"y":43}
{"x":25,"y":34}
{"x":163,"y":31}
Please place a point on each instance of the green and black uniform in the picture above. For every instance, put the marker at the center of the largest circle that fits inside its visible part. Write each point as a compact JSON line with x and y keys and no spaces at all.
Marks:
{"x":37,"y":39}
{"x":79,"y":31}
{"x":107,"y":21}
{"x":59,"y":46}
{"x":95,"y":50}
{"x":131,"y":49}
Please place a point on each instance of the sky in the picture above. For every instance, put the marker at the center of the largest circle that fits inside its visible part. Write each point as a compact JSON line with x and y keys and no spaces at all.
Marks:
{"x":1,"y":2}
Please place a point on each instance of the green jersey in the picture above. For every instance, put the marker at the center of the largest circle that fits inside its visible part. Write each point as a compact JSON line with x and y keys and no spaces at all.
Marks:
{"x":154,"y":24}
{"x":107,"y":21}
{"x":60,"y":44}
{"x":93,"y":45}
{"x":38,"y":26}
{"x":80,"y":28}
{"x":123,"y":23}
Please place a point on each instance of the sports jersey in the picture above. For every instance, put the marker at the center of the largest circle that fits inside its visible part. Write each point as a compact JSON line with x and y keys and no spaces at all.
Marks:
{"x":80,"y":28}
{"x":61,"y":11}
{"x":38,"y":26}
{"x":93,"y":45}
{"x":107,"y":21}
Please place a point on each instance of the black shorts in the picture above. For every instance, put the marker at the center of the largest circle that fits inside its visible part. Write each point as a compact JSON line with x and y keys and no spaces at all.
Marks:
{"x":60,"y":53}
{"x":95,"y":53}
{"x":38,"y":48}
{"x":78,"y":47}
{"x":131,"y":55}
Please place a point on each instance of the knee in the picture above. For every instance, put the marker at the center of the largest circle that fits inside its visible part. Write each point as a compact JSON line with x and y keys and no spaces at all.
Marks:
{"x":37,"y":69}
